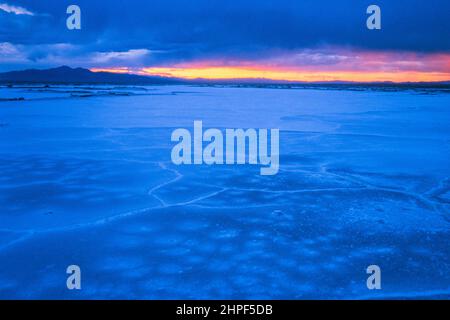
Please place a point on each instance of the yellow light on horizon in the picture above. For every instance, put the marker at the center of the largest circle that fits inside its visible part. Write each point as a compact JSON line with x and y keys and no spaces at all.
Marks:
{"x":231,"y":73}
{"x":111,"y":70}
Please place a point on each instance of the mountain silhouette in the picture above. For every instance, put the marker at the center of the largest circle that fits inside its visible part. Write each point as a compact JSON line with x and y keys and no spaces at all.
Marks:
{"x":66,"y":74}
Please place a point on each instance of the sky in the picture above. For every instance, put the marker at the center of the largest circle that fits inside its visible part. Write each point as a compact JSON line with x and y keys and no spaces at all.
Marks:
{"x":291,"y":40}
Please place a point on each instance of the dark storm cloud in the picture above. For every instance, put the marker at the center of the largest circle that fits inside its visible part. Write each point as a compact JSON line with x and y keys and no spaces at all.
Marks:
{"x":181,"y":30}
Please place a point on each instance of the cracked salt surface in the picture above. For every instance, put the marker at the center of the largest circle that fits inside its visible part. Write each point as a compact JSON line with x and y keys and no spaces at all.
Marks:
{"x":363,"y":179}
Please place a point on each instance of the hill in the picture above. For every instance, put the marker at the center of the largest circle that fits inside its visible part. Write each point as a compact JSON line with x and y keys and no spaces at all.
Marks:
{"x":66,"y":74}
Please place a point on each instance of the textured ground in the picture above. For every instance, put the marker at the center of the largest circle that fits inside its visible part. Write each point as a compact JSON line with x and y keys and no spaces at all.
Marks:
{"x":86,"y":179}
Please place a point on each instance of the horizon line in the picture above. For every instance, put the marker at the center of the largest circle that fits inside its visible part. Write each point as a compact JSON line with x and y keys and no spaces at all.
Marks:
{"x":247,"y":74}
{"x":244,"y":80}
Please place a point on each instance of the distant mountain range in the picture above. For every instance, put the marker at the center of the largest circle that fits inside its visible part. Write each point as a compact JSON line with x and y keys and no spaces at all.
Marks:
{"x":66,"y":74}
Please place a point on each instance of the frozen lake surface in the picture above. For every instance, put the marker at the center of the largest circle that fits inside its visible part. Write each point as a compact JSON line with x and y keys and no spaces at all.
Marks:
{"x":87,"y":179}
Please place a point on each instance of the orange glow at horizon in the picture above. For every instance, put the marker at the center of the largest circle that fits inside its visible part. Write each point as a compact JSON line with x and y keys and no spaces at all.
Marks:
{"x":111,"y":70}
{"x":310,"y":66}
{"x":232,"y":73}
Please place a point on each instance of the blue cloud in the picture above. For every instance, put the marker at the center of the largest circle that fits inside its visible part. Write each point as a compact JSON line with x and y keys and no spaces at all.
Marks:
{"x":15,"y":10}
{"x":179,"y":30}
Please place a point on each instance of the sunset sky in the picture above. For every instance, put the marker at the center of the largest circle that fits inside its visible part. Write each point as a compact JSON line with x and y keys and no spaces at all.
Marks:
{"x":277,"y":40}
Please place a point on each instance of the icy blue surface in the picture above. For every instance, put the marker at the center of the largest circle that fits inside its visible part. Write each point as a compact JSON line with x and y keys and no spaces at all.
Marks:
{"x":86,"y":179}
